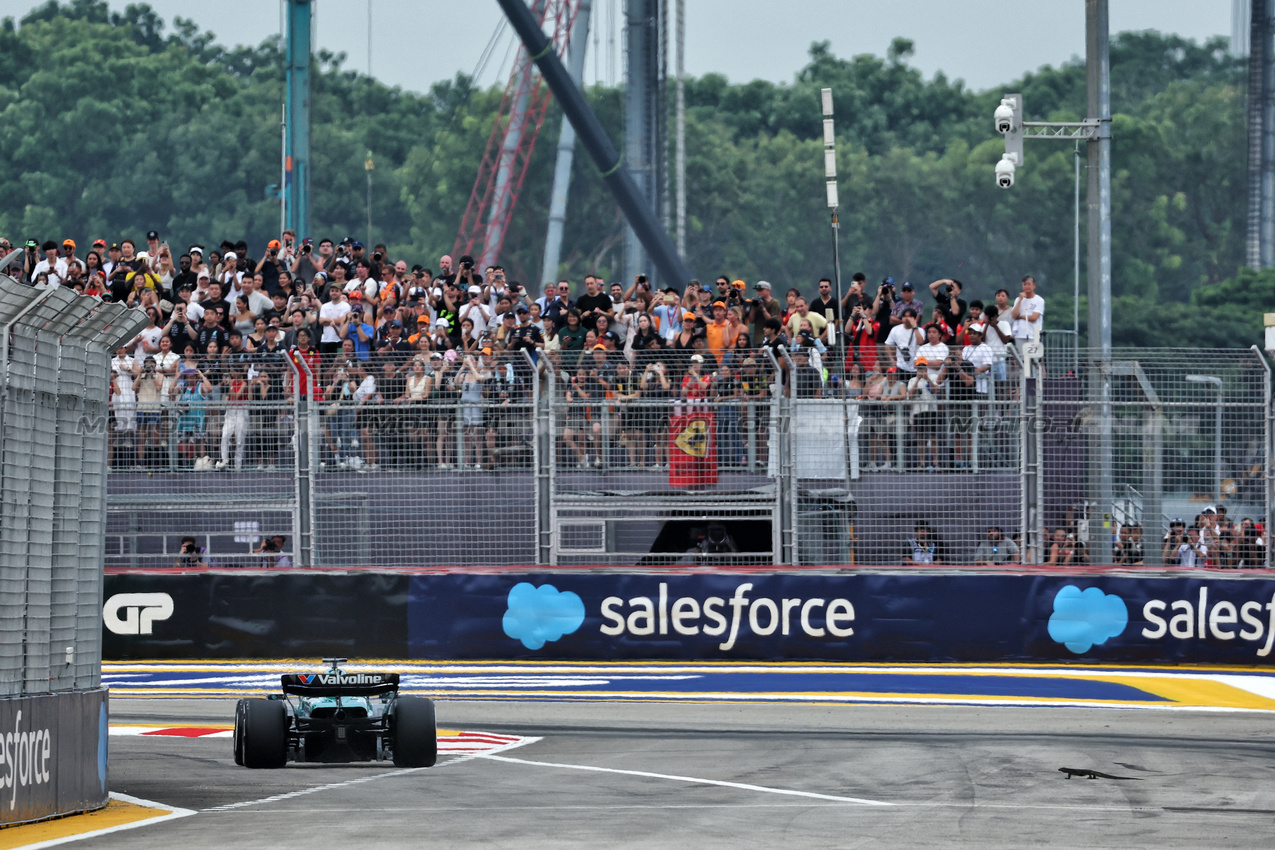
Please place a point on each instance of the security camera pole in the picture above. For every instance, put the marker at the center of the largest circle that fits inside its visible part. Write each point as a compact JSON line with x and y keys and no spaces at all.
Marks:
{"x":830,"y":178}
{"x":1095,"y":130}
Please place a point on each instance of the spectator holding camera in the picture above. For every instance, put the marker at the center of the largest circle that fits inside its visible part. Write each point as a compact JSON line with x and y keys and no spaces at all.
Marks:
{"x":947,"y":297}
{"x":759,"y":309}
{"x":861,"y":332}
{"x":904,"y":341}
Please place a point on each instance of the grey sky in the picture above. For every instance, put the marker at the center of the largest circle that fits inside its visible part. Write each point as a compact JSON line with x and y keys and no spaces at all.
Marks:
{"x":984,"y":42}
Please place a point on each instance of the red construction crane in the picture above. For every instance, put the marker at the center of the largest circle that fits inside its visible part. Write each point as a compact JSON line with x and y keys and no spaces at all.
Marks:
{"x":509,"y":147}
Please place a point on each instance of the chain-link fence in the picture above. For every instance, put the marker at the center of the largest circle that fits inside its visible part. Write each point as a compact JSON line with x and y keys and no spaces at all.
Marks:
{"x":53,"y":348}
{"x":420,"y":458}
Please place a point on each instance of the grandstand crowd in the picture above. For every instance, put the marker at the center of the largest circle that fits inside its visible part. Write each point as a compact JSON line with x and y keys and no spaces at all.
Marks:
{"x":439,"y":367}
{"x":375,"y":333}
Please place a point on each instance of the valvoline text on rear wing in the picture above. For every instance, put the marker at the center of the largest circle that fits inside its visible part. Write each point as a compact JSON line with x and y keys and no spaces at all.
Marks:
{"x":339,"y":684}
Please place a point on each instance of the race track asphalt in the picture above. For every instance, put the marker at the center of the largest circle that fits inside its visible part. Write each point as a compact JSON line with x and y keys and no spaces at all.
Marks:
{"x":729,"y":775}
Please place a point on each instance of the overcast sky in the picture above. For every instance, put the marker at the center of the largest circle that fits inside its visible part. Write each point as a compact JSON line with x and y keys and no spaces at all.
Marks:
{"x":984,"y":42}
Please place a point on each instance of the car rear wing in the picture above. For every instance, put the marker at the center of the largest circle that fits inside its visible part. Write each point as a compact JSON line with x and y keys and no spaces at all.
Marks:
{"x":339,"y":684}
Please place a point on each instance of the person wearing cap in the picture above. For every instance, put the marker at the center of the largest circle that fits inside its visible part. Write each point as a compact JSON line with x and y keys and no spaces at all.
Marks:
{"x":907,"y":301}
{"x":269,"y":266}
{"x":230,"y":274}
{"x":74,"y":265}
{"x":719,"y":334}
{"x":996,"y":549}
{"x":476,"y":310}
{"x":925,"y":414}
{"x":759,"y":308}
{"x":394,"y":347}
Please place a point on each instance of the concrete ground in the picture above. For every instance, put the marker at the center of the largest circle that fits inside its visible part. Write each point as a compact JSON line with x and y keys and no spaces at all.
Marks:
{"x":660,"y":775}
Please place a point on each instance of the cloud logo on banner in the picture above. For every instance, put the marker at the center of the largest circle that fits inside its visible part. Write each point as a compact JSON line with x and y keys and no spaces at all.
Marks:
{"x":538,"y":615}
{"x":1086,"y":618}
{"x":103,"y":735}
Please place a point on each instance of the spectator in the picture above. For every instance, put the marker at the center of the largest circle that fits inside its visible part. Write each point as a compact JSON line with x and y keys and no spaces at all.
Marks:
{"x":593,"y":304}
{"x":1251,"y":547}
{"x":1193,"y":552}
{"x":235,"y":425}
{"x":826,"y":304}
{"x":1028,"y":313}
{"x":52,"y":265}
{"x":907,"y":301}
{"x":190,"y":393}
{"x":1172,"y":540}
{"x":367,"y":416}
{"x":934,"y":352}
{"x":668,"y":315}
{"x":947,"y":297}
{"x":861,"y":332}
{"x":925,"y":414}
{"x":760,"y":309}
{"x":924,"y":547}
{"x":191,"y":555}
{"x":333,"y":318}
{"x":801,"y":310}
{"x":903,"y":342}
{"x":996,"y":549}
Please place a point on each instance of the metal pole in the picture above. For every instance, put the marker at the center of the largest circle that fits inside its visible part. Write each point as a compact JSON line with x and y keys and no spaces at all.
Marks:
{"x":1253,"y":118}
{"x":836,"y":271}
{"x":680,"y":151}
{"x":599,"y":146}
{"x":369,"y":165}
{"x":283,"y":168}
{"x":1098,"y":85}
{"x":566,"y":152}
{"x":1268,"y":436}
{"x":1075,"y":319}
{"x":639,"y":77}
{"x":1217,"y":444}
{"x":296,"y":185}
{"x":1266,"y":230}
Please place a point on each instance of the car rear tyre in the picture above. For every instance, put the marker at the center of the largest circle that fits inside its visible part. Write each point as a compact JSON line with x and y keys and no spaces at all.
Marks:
{"x":265,"y":733}
{"x":415,"y":732}
{"x":239,"y":723}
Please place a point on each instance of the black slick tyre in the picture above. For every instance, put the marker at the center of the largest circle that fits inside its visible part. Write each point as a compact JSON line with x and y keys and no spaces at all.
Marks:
{"x":265,"y":733}
{"x":415,"y":732}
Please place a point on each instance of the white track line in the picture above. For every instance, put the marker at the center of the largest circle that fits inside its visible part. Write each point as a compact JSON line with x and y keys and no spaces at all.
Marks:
{"x":304,"y":791}
{"x":787,"y":792}
{"x":174,"y":812}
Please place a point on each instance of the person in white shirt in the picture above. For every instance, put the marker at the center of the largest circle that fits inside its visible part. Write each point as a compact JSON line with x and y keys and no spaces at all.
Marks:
{"x":146,"y":342}
{"x":979,"y":354}
{"x":903,"y":342}
{"x":52,"y":265}
{"x":331,"y":316}
{"x":1192,"y":553}
{"x":1028,"y":313}
{"x":934,"y":351}
{"x":476,"y":311}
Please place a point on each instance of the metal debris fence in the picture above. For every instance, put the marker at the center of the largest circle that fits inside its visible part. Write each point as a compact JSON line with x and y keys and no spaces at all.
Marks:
{"x":764,"y":457}
{"x":54,"y":350}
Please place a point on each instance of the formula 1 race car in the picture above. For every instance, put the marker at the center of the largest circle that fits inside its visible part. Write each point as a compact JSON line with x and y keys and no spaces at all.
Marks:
{"x":336,"y":717}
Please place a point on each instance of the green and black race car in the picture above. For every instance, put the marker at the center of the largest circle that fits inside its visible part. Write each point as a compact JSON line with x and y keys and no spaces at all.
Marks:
{"x":336,"y":716}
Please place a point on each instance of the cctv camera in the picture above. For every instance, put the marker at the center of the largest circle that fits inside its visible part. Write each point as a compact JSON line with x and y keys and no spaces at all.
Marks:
{"x":1004,"y":117}
{"x":1005,"y":173}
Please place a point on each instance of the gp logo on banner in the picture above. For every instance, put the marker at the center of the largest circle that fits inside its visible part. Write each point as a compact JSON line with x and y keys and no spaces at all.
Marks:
{"x":136,"y":613}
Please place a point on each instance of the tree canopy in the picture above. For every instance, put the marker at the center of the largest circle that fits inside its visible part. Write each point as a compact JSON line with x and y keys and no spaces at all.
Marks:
{"x":113,"y":123}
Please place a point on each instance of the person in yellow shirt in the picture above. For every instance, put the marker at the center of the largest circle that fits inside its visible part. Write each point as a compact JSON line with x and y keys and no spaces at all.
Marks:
{"x":802,"y":311}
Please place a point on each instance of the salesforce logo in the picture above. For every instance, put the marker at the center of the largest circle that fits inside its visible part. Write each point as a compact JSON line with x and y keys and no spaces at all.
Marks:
{"x":538,"y":615}
{"x":1083,"y":619}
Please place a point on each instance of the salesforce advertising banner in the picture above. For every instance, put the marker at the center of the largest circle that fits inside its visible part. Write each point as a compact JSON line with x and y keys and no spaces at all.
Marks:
{"x":842,"y":618}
